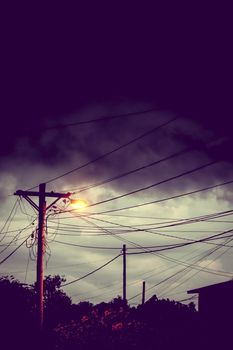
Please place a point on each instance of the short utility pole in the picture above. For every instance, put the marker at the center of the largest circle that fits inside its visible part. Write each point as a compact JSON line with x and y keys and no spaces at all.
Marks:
{"x":143,"y":291}
{"x":42,"y":209}
{"x":124,"y":272}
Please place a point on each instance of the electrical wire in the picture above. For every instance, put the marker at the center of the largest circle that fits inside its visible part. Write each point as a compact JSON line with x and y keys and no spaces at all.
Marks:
{"x":187,"y":268}
{"x":113,"y":291}
{"x":15,"y":237}
{"x":117,"y":177}
{"x":211,"y":251}
{"x":86,"y":246}
{"x":171,"y":246}
{"x":183,"y":244}
{"x":123,"y":232}
{"x":204,"y":267}
{"x":157,"y":284}
{"x":193,"y":265}
{"x":24,"y":211}
{"x":93,"y":231}
{"x":117,"y":237}
{"x":175,"y":222}
{"x":110,"y":152}
{"x":100,"y":119}
{"x":8,"y":256}
{"x":27,"y":266}
{"x":161,"y":249}
{"x":9,"y":219}
{"x":152,"y":185}
{"x":134,"y":243}
{"x":162,"y":246}
{"x":90,"y":273}
{"x":162,"y":200}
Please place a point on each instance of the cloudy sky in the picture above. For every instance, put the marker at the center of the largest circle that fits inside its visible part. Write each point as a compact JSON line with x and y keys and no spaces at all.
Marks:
{"x":123,"y":109}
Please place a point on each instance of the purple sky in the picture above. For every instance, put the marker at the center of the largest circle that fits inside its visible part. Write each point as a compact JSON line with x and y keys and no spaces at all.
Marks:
{"x":63,"y":67}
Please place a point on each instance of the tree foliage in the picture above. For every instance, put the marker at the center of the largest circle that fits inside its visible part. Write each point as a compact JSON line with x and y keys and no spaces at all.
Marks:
{"x":158,"y":324}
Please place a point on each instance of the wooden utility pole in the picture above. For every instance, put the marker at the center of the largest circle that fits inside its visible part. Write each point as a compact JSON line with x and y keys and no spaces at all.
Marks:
{"x":143,"y":291}
{"x":41,"y":238}
{"x":40,"y":254}
{"x":124,"y":272}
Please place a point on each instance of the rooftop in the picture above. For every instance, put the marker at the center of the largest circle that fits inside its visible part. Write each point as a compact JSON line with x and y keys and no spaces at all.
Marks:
{"x":212,"y":286}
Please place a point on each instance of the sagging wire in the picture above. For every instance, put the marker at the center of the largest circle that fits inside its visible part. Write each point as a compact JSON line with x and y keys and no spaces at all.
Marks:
{"x":31,"y":244}
{"x":15,"y":238}
{"x":27,"y":266}
{"x":24,"y":210}
{"x":8,"y":221}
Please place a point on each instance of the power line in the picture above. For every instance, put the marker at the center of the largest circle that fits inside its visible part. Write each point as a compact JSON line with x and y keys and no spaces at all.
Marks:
{"x":173,"y":155}
{"x":110,"y":152}
{"x":111,"y":233}
{"x":93,"y":272}
{"x":8,"y":256}
{"x":93,"y":231}
{"x":178,"y":272}
{"x":15,"y":237}
{"x":164,"y":247}
{"x":154,"y":184}
{"x":86,"y":246}
{"x":170,"y":246}
{"x":123,"y":232}
{"x":117,"y":177}
{"x":167,"y":235}
{"x":59,"y":266}
{"x":9,"y":219}
{"x":204,"y":267}
{"x":222,"y":273}
{"x":193,"y":265}
{"x":146,"y":250}
{"x":100,"y":119}
{"x":145,"y":228}
{"x":168,"y":223}
{"x":163,"y":199}
{"x":148,"y":187}
{"x":90,"y":273}
{"x":184,"y":244}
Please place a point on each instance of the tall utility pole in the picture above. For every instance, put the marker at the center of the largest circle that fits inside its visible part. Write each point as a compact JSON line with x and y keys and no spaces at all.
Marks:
{"x":124,"y":272}
{"x":41,"y":238}
{"x":40,"y":254}
{"x":143,"y":291}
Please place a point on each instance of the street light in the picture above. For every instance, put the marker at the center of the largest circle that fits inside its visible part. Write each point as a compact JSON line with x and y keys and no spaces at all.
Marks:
{"x":78,"y":203}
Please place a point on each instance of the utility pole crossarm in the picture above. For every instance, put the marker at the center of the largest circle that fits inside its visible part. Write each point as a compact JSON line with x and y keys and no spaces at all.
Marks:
{"x":47,"y":194}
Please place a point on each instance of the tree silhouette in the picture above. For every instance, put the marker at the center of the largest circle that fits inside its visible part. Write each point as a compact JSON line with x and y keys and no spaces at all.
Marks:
{"x":57,"y":305}
{"x":157,"y":324}
{"x":17,"y":310}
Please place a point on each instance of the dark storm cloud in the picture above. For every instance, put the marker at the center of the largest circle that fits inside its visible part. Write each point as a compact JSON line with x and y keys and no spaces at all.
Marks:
{"x":79,"y":69}
{"x":52,"y":152}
